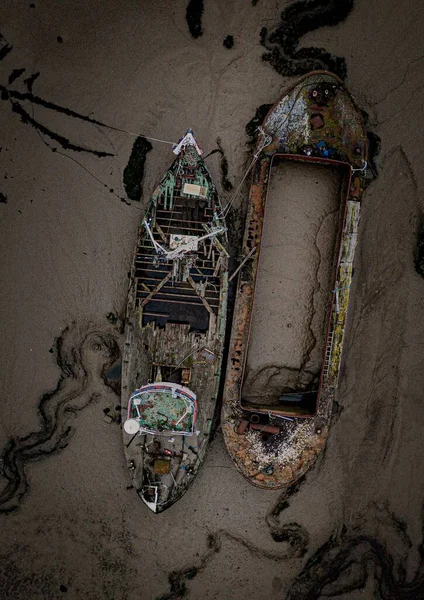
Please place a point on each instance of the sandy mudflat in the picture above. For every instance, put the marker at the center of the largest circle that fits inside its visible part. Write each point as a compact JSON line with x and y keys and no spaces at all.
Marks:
{"x":66,"y":246}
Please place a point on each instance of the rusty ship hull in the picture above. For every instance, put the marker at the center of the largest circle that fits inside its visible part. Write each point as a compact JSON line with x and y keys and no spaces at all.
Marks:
{"x":315,"y":122}
{"x":174,"y":332}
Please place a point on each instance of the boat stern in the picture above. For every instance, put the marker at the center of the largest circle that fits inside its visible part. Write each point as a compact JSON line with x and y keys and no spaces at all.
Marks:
{"x":276,"y":454}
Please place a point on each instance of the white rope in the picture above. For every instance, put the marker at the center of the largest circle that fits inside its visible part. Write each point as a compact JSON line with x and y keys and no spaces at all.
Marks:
{"x":139,"y":135}
{"x":191,"y":245}
{"x":243,"y":262}
{"x":255,"y":158}
{"x":159,"y":249}
{"x":271,"y":414}
{"x":361,"y":169}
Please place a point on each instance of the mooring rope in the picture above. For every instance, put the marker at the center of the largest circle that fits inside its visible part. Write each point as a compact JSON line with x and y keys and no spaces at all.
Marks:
{"x":361,"y":169}
{"x":255,"y":158}
{"x":266,"y":139}
{"x":140,"y":135}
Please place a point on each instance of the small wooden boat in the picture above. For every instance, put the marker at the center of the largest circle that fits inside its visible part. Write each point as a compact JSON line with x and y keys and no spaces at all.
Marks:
{"x":275,"y":437}
{"x":174,"y":331}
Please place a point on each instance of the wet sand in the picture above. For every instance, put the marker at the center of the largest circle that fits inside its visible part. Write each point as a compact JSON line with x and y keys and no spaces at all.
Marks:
{"x":66,"y":245}
{"x":301,"y":233}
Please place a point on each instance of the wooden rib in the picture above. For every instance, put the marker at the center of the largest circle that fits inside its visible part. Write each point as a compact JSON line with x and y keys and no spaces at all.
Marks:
{"x":155,"y":291}
{"x":161,"y":233}
{"x":168,"y":301}
{"x":209,"y":298}
{"x":204,"y":301}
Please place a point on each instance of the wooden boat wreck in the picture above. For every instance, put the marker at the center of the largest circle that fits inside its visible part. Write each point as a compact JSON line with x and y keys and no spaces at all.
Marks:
{"x":174,"y":331}
{"x":274,"y":440}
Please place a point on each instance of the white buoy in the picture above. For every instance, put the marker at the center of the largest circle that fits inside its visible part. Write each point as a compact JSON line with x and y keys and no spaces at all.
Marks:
{"x":131,"y":426}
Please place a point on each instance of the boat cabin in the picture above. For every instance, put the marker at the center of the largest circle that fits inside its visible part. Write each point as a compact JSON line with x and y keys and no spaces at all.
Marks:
{"x":162,"y":408}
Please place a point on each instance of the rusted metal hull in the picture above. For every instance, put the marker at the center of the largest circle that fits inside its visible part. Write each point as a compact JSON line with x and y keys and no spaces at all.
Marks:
{"x":316,"y":121}
{"x":174,"y":332}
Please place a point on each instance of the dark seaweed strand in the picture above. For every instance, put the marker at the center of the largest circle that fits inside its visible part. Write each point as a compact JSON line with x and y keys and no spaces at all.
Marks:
{"x":16,"y":95}
{"x":297,"y":20}
{"x":293,"y":533}
{"x":61,"y":140}
{"x":15,"y":74}
{"x":134,"y":171}
{"x":17,"y":451}
{"x":177,"y":579}
{"x":336,"y":557}
{"x":194,"y":17}
{"x":7,"y":94}
{"x":54,"y":409}
{"x":29,"y":82}
{"x":5,"y":47}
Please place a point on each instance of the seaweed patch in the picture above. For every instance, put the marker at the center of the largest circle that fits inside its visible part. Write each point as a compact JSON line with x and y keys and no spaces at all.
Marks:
{"x":228,"y":42}
{"x":134,"y":171}
{"x":374,"y":146}
{"x":194,"y":14}
{"x":297,"y":20}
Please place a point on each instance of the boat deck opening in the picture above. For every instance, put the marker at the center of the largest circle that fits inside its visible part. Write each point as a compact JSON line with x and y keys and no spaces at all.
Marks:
{"x":162,"y":299}
{"x":295,"y":279}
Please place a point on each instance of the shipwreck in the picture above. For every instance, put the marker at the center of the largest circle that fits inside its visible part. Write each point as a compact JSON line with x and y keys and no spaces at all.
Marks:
{"x":275,"y":435}
{"x":174,"y":332}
